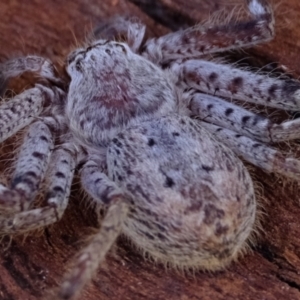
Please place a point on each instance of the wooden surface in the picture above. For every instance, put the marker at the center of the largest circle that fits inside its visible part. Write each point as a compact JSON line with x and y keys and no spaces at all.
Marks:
{"x":30,"y":266}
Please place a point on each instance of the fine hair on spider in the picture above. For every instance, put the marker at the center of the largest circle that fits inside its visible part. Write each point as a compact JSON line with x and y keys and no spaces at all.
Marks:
{"x":146,"y":126}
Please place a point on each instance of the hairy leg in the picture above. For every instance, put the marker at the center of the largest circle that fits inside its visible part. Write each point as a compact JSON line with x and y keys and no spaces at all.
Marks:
{"x":260,"y":155}
{"x":30,"y":169}
{"x":125,"y":28}
{"x":197,"y":41}
{"x":227,"y":81}
{"x":31,"y":63}
{"x":60,"y":175}
{"x":23,"y":109}
{"x":106,"y":192}
{"x":225,"y":114}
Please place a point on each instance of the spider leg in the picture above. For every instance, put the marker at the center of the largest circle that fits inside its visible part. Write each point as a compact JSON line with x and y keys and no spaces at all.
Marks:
{"x":197,"y":41}
{"x":228,"y":115}
{"x":20,"y":111}
{"x":256,"y":153}
{"x":121,"y":27}
{"x":29,"y":170}
{"x":103,"y":190}
{"x":35,"y":151}
{"x":31,"y":63}
{"x":62,"y":165}
{"x":24,"y":108}
{"x":227,"y":81}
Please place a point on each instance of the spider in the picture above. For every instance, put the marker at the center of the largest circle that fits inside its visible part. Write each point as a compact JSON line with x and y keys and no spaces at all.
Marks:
{"x":153,"y":140}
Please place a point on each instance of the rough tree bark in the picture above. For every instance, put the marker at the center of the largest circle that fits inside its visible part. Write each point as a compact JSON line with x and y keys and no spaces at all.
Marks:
{"x":30,"y":266}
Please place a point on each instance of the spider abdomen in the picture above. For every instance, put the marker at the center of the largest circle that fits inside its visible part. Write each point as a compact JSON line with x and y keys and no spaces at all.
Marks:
{"x":193,"y":202}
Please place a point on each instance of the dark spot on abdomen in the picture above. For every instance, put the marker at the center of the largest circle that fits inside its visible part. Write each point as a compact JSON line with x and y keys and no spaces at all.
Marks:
{"x":169,"y":182}
{"x":151,"y":142}
{"x":207,"y":168}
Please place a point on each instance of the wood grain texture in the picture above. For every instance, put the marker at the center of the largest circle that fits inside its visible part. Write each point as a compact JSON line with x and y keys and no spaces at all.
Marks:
{"x":30,"y":266}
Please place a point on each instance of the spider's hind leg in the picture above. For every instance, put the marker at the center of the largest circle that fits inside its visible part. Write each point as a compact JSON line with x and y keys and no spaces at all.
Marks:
{"x":104,"y":192}
{"x":200,"y":40}
{"x":257,"y":153}
{"x":228,"y":115}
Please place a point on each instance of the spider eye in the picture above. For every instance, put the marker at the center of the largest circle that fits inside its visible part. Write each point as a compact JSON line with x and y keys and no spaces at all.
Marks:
{"x":122,"y":48}
{"x":78,"y":66}
{"x":70,"y":58}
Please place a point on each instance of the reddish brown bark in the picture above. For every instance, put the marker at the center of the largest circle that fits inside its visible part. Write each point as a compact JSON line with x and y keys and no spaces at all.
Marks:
{"x":31,"y":266}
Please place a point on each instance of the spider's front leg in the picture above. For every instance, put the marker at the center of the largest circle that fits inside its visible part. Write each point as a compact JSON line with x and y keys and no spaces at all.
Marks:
{"x":27,"y":106}
{"x":31,"y":63}
{"x":200,"y":40}
{"x":22,"y":110}
{"x":38,"y":143}
{"x":35,"y":151}
{"x":30,"y":169}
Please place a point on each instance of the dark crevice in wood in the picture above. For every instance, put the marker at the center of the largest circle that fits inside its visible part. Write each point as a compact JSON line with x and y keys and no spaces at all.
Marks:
{"x":290,"y":283}
{"x":5,"y":294}
{"x":278,"y":261}
{"x":266,"y":253}
{"x":164,"y":15}
{"x":17,"y":275}
{"x":47,"y":235}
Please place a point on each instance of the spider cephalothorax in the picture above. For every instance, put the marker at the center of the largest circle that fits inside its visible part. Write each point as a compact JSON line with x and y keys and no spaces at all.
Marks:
{"x":158,"y":153}
{"x":112,"y":87}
